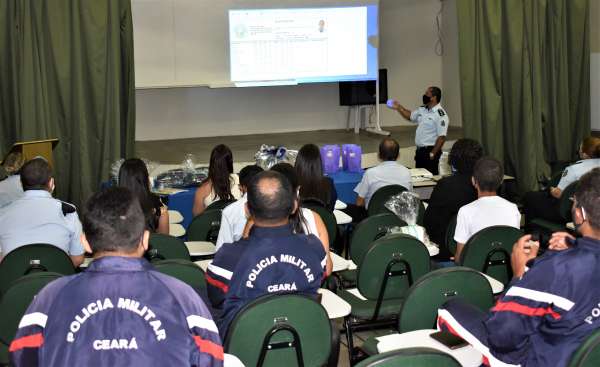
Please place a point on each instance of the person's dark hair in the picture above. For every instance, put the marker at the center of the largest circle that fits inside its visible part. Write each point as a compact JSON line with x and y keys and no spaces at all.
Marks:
{"x":113,"y":221}
{"x":309,"y":168}
{"x":436,"y":92}
{"x":35,"y":174}
{"x":133,"y":175}
{"x":270,"y":197}
{"x":297,"y":220}
{"x":219,"y":170}
{"x":247,"y":173}
{"x":389,"y":149}
{"x":587,"y":195}
{"x":464,"y":154}
{"x":488,"y":174}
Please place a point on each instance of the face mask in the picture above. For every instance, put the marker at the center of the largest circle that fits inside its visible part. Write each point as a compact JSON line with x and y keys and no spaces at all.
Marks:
{"x":426,"y":99}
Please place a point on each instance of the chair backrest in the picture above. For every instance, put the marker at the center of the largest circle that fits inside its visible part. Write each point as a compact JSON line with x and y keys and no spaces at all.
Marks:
{"x":219,"y":204}
{"x":489,"y":251}
{"x":17,"y":298}
{"x":32,"y":258}
{"x":184,"y":270}
{"x":403,"y":256}
{"x":329,"y":220}
{"x":588,"y":353}
{"x":369,"y":230}
{"x":381,"y":196}
{"x":426,"y":295}
{"x":205,"y":227}
{"x":164,"y":247}
{"x":277,"y":328}
{"x":417,"y":357}
{"x":565,"y":202}
{"x":449,"y":240}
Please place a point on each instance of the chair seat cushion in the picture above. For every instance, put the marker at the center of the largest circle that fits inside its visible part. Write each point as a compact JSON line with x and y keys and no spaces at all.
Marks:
{"x":364,"y":309}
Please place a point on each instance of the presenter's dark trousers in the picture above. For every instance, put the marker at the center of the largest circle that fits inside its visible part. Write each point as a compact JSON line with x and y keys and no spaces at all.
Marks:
{"x":422,"y":159}
{"x":542,"y":205}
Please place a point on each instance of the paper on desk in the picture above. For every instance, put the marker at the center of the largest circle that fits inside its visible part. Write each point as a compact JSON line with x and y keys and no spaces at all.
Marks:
{"x":356,"y":293}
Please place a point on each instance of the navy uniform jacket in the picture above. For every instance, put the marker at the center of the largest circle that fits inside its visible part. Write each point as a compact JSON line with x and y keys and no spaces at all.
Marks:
{"x":119,"y":312}
{"x":271,"y":260}
{"x":546,"y":315}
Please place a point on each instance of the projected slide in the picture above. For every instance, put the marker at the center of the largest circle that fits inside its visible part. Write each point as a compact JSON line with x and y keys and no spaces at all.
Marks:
{"x":305,"y":45}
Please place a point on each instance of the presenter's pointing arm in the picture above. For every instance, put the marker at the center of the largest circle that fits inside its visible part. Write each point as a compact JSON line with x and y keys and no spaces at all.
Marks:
{"x":402,"y":111}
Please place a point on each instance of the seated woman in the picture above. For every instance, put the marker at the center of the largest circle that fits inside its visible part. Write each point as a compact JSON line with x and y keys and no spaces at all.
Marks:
{"x":303,"y":220}
{"x":221,"y":183}
{"x":133,"y":175}
{"x":406,"y":206}
{"x":452,"y":192}
{"x":545,"y":204}
{"x":313,"y":185}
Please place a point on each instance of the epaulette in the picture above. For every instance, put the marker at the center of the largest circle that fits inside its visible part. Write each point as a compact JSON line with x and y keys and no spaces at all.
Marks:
{"x":441,"y":112}
{"x":67,"y":208}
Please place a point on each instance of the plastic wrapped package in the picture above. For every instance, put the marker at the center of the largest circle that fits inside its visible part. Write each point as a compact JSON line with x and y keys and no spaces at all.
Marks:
{"x":330,"y":156}
{"x":351,"y":157}
{"x":406,"y":206}
{"x":269,"y":155}
{"x":181,"y":178}
{"x":443,"y":166}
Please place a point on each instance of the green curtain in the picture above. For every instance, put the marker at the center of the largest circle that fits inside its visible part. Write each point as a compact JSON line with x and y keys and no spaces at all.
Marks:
{"x":525,"y":81}
{"x":66,"y":71}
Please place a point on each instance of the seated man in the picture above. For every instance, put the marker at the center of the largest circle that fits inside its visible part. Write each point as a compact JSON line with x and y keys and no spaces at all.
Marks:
{"x":234,"y":218}
{"x":37,"y":217}
{"x":546,"y":204}
{"x":271,"y":260}
{"x":120,"y":310}
{"x":551,"y":305}
{"x":489,"y":209}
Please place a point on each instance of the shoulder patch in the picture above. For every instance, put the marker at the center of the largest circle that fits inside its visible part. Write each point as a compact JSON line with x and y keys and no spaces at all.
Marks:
{"x":565,"y":172}
{"x":443,"y":123}
{"x":442,"y":113}
{"x":67,"y":208}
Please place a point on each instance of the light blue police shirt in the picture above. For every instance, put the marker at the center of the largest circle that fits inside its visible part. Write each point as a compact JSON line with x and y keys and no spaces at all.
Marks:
{"x":384,"y":174}
{"x":37,"y":217}
{"x":576,"y":170}
{"x":431,"y":124}
{"x":10,"y":190}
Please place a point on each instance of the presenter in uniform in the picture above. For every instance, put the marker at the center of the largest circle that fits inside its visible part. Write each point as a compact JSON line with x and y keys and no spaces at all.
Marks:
{"x":432,"y":127}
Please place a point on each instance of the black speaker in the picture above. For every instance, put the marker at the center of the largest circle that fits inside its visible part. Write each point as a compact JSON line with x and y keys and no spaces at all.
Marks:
{"x":364,"y":92}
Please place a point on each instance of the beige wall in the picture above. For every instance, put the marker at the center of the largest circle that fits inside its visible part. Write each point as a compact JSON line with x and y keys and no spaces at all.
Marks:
{"x":407,"y":49}
{"x":595,"y":25}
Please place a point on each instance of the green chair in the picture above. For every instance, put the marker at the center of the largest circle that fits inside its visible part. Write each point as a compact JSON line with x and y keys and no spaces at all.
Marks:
{"x":381,"y":196}
{"x":588,"y":353}
{"x":390,"y":266}
{"x":162,"y":247}
{"x":415,"y":357}
{"x":280,"y":329}
{"x":367,"y":231}
{"x":33,"y":258}
{"x":489,"y":250}
{"x":184,"y":270}
{"x":564,"y":208}
{"x":219,"y":204}
{"x":205,"y":227}
{"x":449,"y":240}
{"x":14,"y":303}
{"x":329,"y":220}
{"x":430,"y":292}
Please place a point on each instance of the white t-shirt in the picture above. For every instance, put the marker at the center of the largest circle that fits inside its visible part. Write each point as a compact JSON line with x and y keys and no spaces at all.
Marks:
{"x":233,"y":221}
{"x":485,"y":212}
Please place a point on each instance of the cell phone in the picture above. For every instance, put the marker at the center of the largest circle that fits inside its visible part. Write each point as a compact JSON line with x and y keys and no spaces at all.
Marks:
{"x":448,"y":339}
{"x":390,"y":103}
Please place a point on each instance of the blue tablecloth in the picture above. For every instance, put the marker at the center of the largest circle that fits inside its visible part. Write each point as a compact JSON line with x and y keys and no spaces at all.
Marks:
{"x":344,"y":182}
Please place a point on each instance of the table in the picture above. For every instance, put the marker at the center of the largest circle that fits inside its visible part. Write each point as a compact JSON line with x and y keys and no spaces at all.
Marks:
{"x":466,"y":356}
{"x":229,"y":360}
{"x":176,"y":230}
{"x":175,"y":216}
{"x":339,"y":205}
{"x":201,"y":248}
{"x":335,"y":306}
{"x":497,"y":286}
{"x":341,"y":217}
{"x":345,"y":182}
